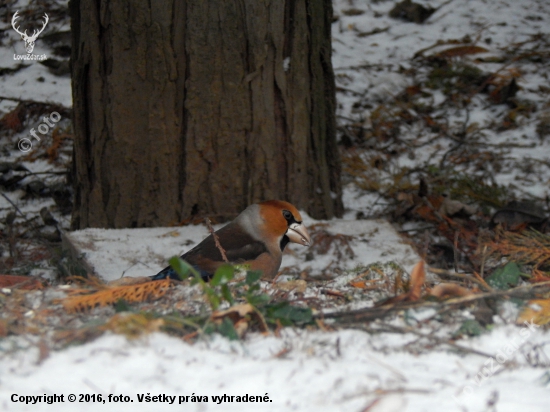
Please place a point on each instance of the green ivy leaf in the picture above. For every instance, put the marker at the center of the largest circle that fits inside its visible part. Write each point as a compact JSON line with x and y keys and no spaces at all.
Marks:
{"x":209,"y":328}
{"x":223,"y":274}
{"x":258,"y":300}
{"x":253,"y":276}
{"x":505,"y":277}
{"x":183,"y":268}
{"x":213,"y":298}
{"x":469,"y":327}
{"x":253,"y":288}
{"x":289,"y":315}
{"x":122,"y":306}
{"x":226,"y":293}
{"x":228,"y":330}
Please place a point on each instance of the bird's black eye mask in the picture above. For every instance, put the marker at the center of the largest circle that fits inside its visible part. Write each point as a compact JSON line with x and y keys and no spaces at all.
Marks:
{"x":289,"y":221}
{"x":289,"y":218}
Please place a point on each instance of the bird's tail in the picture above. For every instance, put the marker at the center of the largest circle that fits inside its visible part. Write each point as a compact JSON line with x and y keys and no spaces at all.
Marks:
{"x":169,"y":273}
{"x":166,"y":273}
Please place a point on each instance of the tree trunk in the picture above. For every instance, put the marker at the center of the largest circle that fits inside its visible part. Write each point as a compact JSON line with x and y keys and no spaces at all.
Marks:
{"x":201,"y":107}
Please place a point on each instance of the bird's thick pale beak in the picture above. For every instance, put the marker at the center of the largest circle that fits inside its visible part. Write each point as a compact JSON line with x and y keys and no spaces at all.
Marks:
{"x":297,"y":233}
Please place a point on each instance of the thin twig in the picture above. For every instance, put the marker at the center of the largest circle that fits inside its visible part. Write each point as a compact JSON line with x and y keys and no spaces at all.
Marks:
{"x":417,"y":229}
{"x":455,"y":251}
{"x":372,"y":313}
{"x":215,"y":236}
{"x":518,"y":291}
{"x":335,"y":293}
{"x":447,"y":273}
{"x":14,"y":205}
{"x":372,"y":32}
{"x":440,"y":341}
{"x":483,"y":259}
{"x":435,"y":212}
{"x":47,"y":173}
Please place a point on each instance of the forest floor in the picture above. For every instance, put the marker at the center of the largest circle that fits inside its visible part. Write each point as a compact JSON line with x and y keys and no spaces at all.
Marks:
{"x":443,"y":122}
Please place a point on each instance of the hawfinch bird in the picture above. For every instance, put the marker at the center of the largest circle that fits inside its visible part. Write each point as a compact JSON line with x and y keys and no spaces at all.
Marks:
{"x":256,"y":237}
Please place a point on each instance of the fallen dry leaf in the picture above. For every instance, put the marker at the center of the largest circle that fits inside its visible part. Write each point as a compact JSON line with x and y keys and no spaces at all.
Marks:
{"x":361,"y":284}
{"x":133,"y":325}
{"x":461,"y":51}
{"x":292,"y":285}
{"x":21,"y":282}
{"x":418,"y":277}
{"x":451,"y":207}
{"x":12,"y":120}
{"x":240,"y":315}
{"x":536,"y":311}
{"x":238,"y":311}
{"x":448,"y":290}
{"x":3,"y":328}
{"x":128,"y":280}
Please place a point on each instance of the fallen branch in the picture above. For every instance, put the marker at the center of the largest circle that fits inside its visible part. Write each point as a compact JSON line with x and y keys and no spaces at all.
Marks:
{"x":373,"y":313}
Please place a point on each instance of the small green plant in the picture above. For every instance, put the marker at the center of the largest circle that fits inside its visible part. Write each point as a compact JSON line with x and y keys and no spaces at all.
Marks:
{"x":216,"y":290}
{"x":249,"y":290}
{"x":505,"y":277}
{"x":470,"y":327}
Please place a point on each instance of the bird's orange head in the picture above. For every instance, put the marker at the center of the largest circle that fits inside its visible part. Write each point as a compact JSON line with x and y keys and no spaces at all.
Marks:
{"x":281,"y":219}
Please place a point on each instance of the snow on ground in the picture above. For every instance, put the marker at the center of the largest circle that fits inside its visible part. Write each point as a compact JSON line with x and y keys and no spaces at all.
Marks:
{"x":299,"y":371}
{"x":374,"y":61}
{"x":305,"y":370}
{"x":112,"y":254}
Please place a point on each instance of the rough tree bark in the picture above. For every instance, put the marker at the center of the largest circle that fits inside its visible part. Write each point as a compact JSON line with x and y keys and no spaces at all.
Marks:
{"x":201,"y":107}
